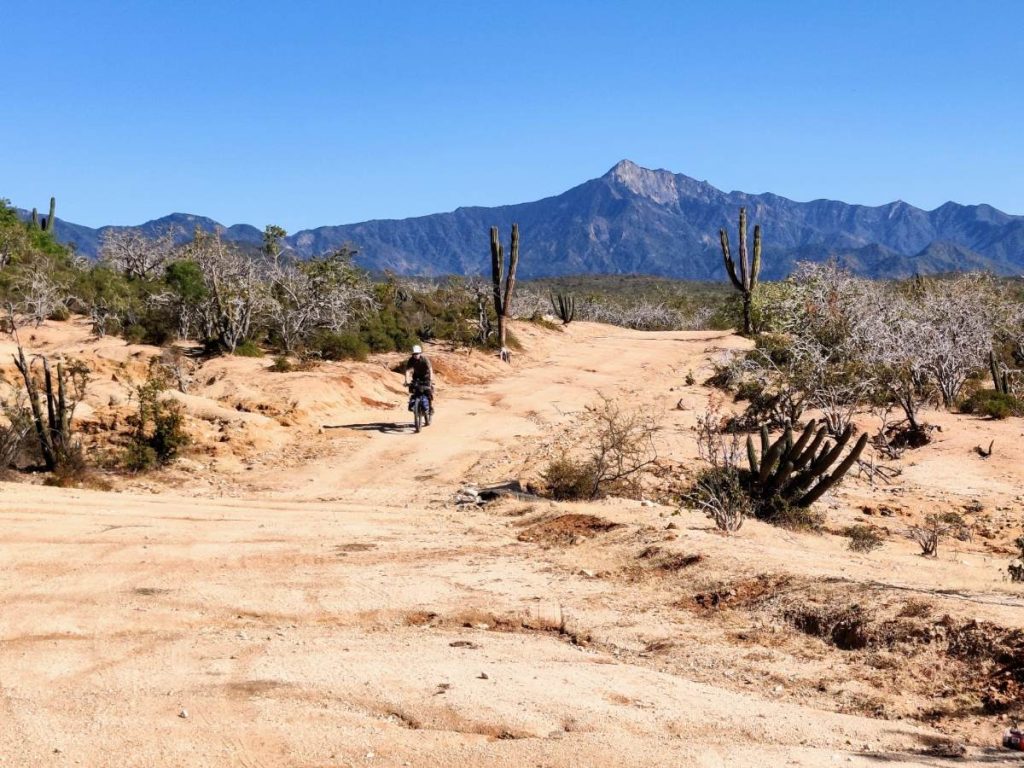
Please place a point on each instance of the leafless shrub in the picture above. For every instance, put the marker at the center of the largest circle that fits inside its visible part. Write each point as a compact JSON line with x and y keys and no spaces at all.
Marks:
{"x":15,"y":431}
{"x":935,"y":528}
{"x":236,"y":291}
{"x":135,"y":254}
{"x":322,"y":293}
{"x":714,"y":445}
{"x":719,"y":493}
{"x":618,"y":446}
{"x":42,"y":293}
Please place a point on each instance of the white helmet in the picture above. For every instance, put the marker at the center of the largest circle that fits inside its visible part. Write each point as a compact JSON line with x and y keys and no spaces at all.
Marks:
{"x":417,"y":350}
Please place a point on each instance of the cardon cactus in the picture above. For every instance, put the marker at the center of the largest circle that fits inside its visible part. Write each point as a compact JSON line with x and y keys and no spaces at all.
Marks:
{"x":45,"y":224}
{"x":746,"y":280}
{"x":564,"y":306}
{"x":798,"y":472}
{"x":503,"y":288}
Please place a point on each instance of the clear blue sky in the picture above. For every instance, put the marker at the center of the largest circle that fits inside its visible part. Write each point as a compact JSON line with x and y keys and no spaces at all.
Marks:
{"x":304,"y":113}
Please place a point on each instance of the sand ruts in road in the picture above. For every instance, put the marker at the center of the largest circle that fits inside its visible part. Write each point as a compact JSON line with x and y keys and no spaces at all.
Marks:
{"x":341,"y":611}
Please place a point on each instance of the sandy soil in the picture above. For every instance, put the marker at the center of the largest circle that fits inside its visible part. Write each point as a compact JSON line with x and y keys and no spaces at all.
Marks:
{"x":302,"y":590}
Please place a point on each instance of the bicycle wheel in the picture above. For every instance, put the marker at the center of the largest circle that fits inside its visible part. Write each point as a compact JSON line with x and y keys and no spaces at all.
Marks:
{"x":417,"y":415}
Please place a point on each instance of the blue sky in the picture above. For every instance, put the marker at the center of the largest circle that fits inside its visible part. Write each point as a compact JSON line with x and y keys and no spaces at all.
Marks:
{"x":311,"y":113}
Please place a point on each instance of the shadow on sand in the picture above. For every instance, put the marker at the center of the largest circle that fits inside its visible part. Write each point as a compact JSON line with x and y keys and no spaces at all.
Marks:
{"x":387,"y":427}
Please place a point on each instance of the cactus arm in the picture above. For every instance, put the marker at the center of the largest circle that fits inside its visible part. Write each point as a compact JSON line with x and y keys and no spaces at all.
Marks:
{"x":497,"y":266}
{"x":796,"y":451}
{"x":744,"y":261}
{"x":52,"y":218}
{"x":770,"y":460}
{"x":755,"y":267}
{"x":765,"y":441}
{"x":830,"y":480}
{"x":513,"y":262}
{"x":752,"y":457}
{"x":730,"y":265}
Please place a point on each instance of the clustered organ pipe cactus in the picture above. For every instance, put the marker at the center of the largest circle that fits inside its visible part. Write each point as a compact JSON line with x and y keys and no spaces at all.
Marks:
{"x":797,"y":472}
{"x":564,"y":306}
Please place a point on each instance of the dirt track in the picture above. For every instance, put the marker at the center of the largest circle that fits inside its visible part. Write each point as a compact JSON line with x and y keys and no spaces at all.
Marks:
{"x":345,"y":612}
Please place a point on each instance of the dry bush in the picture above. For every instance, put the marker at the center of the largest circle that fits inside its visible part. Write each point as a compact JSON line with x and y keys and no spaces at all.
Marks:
{"x":567,"y":479}
{"x":863,"y":538}
{"x":618,"y":447}
{"x":937,"y":527}
{"x":719,"y":493}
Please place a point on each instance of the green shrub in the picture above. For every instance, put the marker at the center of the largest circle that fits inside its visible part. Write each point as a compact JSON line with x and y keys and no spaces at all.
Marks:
{"x":570,"y":480}
{"x":281,"y":364}
{"x":248,"y":348}
{"x":778,"y":512}
{"x":159,"y":433}
{"x":995,"y":405}
{"x":329,"y":345}
{"x":134,"y":334}
{"x":863,"y":538}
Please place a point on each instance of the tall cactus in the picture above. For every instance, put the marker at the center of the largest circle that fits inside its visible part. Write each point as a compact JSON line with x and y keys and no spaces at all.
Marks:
{"x":52,"y":218}
{"x":503,"y":292}
{"x":797,"y":472}
{"x":45,"y":224}
{"x":746,"y":280}
{"x":565,"y":307}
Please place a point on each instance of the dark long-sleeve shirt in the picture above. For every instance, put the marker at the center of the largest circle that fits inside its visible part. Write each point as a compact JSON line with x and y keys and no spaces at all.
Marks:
{"x":421,"y":368}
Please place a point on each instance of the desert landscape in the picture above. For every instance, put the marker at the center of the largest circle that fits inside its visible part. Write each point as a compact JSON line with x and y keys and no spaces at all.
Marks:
{"x":313,"y":584}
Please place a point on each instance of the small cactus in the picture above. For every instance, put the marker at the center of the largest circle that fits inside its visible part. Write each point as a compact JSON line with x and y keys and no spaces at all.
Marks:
{"x":564,"y":306}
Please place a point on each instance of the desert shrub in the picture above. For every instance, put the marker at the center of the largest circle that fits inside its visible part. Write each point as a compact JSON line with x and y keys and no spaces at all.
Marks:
{"x":281,"y":364}
{"x":330,"y":345}
{"x":617,"y":446}
{"x":15,"y":433}
{"x":993,"y":404}
{"x":134,"y":334}
{"x":719,"y":493}
{"x":781,"y":512}
{"x":567,"y":479}
{"x":248,"y":348}
{"x":1016,"y":568}
{"x":937,"y":527}
{"x":71,"y":470}
{"x":159,"y":433}
{"x":863,"y":538}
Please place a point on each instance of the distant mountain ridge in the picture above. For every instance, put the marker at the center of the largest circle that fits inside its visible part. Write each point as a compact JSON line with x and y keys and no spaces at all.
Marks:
{"x":637,"y":220}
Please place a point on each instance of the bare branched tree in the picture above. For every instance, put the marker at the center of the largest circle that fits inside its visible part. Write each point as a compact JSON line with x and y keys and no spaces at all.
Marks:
{"x":42,"y":293}
{"x":235,"y":289}
{"x":322,"y":293}
{"x":620,"y":444}
{"x":136,"y":254}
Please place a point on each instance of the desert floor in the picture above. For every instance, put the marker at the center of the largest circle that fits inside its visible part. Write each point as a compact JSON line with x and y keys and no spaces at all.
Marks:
{"x":302,"y":589}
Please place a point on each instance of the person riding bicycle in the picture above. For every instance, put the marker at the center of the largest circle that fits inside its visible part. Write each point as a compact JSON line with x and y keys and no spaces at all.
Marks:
{"x":422,"y":372}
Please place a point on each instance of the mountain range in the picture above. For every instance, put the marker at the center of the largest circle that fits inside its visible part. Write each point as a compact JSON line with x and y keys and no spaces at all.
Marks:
{"x":637,"y":220}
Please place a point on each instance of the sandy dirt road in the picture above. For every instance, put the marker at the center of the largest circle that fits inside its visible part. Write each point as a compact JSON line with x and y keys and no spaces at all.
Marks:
{"x":345,"y":612}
